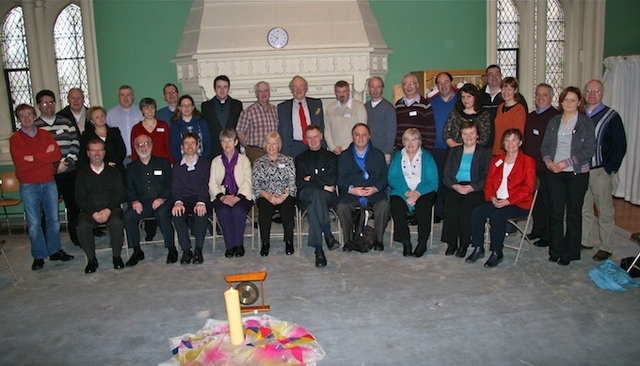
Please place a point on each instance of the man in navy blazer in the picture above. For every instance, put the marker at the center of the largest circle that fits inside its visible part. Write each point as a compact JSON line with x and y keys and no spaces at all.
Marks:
{"x":220,"y":112}
{"x":148,"y":193}
{"x":289,"y":125}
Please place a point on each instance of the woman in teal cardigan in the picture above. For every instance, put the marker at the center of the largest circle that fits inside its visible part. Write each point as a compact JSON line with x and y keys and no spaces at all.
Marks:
{"x":413,"y":178}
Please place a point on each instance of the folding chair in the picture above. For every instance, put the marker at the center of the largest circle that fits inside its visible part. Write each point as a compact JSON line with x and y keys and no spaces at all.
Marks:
{"x":635,"y":237}
{"x":523,"y":229}
{"x":301,"y":213}
{"x":7,"y":260}
{"x":250,"y":217}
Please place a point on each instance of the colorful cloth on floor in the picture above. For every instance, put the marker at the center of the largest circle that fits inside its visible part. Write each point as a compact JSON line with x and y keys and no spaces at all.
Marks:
{"x":609,"y":276}
{"x":268,"y":341}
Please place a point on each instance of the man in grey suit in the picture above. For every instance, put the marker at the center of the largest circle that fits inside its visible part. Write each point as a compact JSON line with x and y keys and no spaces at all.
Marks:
{"x":220,"y":112}
{"x":294,"y":115}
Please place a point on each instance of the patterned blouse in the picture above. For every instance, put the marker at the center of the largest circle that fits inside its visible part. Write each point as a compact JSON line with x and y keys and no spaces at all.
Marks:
{"x":274,"y":177}
{"x":482,"y":120}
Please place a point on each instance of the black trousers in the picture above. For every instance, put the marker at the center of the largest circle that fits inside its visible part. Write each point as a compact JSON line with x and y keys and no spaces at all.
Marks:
{"x":541,"y":208}
{"x":266,"y":211}
{"x":456,"y":227}
{"x":400,"y":211}
{"x":317,"y":203}
{"x":115,"y":225}
{"x":66,"y":183}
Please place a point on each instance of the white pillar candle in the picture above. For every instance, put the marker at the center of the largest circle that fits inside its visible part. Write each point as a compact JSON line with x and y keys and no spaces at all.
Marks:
{"x":236,"y":330}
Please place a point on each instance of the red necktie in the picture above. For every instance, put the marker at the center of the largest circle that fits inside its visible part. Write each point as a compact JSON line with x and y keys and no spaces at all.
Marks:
{"x":303,"y":122}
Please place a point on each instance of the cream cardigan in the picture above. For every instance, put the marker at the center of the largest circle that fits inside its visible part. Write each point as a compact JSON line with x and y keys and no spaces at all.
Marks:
{"x":242,"y":174}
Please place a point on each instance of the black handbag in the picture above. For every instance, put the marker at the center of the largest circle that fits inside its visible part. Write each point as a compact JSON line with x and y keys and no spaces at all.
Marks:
{"x":625,"y":263}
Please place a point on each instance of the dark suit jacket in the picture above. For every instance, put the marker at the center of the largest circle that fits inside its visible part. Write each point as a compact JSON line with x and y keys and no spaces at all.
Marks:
{"x":209,"y":115}
{"x":96,"y":192}
{"x":350,"y":174}
{"x":285,"y":122}
{"x":161,"y":181}
{"x":66,"y":112}
{"x":323,"y":173}
{"x":479,"y":167}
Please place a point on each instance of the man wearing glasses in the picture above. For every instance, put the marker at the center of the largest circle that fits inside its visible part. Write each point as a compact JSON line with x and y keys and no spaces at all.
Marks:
{"x":170,"y":95}
{"x":414,"y":111}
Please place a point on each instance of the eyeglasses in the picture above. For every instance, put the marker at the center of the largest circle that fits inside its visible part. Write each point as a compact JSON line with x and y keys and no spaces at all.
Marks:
{"x":171,"y":92}
{"x":409,"y":83}
{"x":593,"y":91}
{"x":493,"y":74}
{"x":143,"y":144}
{"x":48,"y":103}
{"x":186,"y":105}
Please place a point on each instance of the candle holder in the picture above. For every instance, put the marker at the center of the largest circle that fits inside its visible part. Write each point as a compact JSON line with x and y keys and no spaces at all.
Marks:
{"x":248,"y":291}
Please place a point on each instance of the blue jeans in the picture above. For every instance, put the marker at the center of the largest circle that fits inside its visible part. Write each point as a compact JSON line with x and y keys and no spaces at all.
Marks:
{"x":38,"y":197}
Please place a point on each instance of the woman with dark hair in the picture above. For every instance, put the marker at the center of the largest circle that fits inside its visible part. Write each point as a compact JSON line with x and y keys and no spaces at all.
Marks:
{"x":96,"y":127}
{"x":274,"y":185}
{"x":231,"y":191}
{"x":510,"y":113}
{"x":568,"y":145}
{"x":185,"y":119}
{"x":468,"y":108}
{"x":465,"y":173}
{"x":150,"y":126}
{"x":508,"y":193}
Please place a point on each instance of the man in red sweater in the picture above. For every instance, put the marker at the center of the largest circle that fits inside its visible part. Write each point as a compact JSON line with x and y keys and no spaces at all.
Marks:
{"x":33,"y":152}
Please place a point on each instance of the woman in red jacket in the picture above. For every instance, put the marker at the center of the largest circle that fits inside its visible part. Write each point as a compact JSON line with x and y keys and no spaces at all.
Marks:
{"x":508,"y":193}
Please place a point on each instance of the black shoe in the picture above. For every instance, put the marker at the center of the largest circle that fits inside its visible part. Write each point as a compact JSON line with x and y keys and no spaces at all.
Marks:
{"x":564,"y":262}
{"x":601,"y":255}
{"x":60,"y":255}
{"x":117,"y":263}
{"x":197,"y":257}
{"x":37,"y":264}
{"x":541,"y":243}
{"x":462,"y":251}
{"x":451,"y":249}
{"x":91,"y":266}
{"x":264,"y":249}
{"x":533,"y":236}
{"x":478,"y":252}
{"x":346,"y":247}
{"x":136,"y":257}
{"x":406,"y":250}
{"x":420,"y":250}
{"x":288,"y":248}
{"x":553,"y":259}
{"x":239,"y":251}
{"x":172,"y":256}
{"x":493,"y":260}
{"x":99,"y":232}
{"x":332,"y":243}
{"x":378,"y":246}
{"x":321,"y":260}
{"x":230,"y":252}
{"x":585,"y":247}
{"x":186,"y":256}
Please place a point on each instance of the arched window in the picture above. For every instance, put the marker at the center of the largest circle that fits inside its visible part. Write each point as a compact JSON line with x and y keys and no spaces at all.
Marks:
{"x":508,"y":38}
{"x":15,"y":61}
{"x":70,"y":55}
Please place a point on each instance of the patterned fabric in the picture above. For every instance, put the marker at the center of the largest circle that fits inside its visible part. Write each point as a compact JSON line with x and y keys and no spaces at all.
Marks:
{"x":274,"y":177}
{"x":256,"y":122}
{"x":417,"y":115}
{"x":452,"y":126}
{"x":66,"y":136}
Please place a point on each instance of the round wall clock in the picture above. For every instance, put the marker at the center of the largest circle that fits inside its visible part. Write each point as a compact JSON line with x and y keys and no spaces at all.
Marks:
{"x":277,"y":37}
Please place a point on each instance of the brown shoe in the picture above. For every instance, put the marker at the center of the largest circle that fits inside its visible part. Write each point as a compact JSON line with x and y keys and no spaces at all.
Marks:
{"x":585,"y":247}
{"x":601,"y":255}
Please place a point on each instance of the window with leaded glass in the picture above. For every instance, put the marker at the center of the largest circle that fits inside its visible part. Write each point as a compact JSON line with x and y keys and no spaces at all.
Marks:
{"x":554,"y":71}
{"x":508,"y":42}
{"x":70,"y":55}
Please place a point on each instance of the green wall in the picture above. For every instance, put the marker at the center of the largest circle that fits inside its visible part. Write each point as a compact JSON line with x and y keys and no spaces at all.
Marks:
{"x":622,"y":28}
{"x":137,"y":39}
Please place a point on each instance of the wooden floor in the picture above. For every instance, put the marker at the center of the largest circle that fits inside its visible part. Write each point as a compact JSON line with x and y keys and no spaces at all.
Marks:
{"x":627,"y":215}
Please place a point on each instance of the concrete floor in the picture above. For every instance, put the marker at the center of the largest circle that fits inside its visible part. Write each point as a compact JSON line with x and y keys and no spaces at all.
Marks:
{"x":378,"y":308}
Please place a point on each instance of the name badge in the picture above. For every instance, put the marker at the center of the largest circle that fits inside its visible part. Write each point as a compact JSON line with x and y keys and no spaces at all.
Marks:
{"x":59,"y":132}
{"x":499,"y":162}
{"x":280,"y":165}
{"x":157,"y":172}
{"x":536,"y":132}
{"x":347,"y":115}
{"x":413,"y":113}
{"x":160,"y":129}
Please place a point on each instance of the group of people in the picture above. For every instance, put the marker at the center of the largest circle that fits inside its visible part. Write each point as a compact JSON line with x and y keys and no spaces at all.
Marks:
{"x":472,"y":155}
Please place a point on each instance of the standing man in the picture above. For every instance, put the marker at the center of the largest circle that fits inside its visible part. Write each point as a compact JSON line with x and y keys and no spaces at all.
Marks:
{"x":413,"y":111}
{"x":124,"y":116}
{"x":316,"y":177}
{"x":611,"y":146}
{"x":34,"y":152}
{"x":190,"y":187}
{"x":342,"y":114}
{"x":220,"y":112}
{"x":76,"y":110}
{"x":442,"y":104}
{"x":148,"y":195}
{"x":171,"y":96}
{"x":66,"y":136}
{"x":257,"y":121}
{"x":362,"y":178}
{"x":100,"y":191}
{"x":381,"y":119}
{"x":534,"y":129}
{"x":295,"y":115}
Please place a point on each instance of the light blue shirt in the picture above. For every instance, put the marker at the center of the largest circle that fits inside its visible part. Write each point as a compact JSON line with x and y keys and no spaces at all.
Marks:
{"x":124,"y":120}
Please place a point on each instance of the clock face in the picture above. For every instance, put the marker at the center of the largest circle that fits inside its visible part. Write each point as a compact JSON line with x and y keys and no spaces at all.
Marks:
{"x":277,"y":37}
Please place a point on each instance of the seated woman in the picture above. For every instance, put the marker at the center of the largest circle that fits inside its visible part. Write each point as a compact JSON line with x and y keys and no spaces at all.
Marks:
{"x":508,"y":193}
{"x":468,"y":108}
{"x":274,"y":185}
{"x":230,"y":190}
{"x":150,"y":126}
{"x":115,"y":150}
{"x":187,"y":119}
{"x":465,"y":172}
{"x":413,"y":178}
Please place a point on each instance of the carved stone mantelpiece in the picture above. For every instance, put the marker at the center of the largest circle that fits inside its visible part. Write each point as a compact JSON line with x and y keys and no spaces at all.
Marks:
{"x":315,"y":50}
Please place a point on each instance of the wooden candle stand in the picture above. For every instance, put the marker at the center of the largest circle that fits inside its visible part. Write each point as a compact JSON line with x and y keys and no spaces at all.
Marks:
{"x":245,"y":280}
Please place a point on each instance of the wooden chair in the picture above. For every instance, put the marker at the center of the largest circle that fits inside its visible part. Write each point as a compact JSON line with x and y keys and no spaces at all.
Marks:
{"x":9,"y":183}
